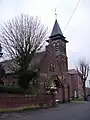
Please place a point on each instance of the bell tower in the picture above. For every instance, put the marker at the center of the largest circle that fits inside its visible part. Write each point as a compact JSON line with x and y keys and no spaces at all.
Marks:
{"x":58,"y":41}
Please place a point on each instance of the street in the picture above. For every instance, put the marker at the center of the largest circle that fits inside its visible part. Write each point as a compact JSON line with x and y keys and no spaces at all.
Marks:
{"x":70,"y":111}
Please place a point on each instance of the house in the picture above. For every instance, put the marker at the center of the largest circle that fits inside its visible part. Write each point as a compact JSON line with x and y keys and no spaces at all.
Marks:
{"x":75,"y":82}
{"x":88,"y":91}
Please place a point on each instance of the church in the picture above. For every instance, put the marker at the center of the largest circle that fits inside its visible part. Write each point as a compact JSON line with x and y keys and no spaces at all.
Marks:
{"x":53,"y":68}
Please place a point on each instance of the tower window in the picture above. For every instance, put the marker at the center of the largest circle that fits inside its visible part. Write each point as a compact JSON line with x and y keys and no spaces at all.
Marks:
{"x":51,"y":68}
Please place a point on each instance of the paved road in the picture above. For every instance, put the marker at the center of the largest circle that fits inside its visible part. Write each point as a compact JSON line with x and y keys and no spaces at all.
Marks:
{"x":71,"y":111}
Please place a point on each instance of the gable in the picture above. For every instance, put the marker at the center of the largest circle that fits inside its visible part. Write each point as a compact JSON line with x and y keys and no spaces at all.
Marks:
{"x":49,"y":57}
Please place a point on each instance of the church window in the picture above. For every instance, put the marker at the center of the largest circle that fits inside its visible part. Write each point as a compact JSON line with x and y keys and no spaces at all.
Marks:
{"x":57,"y":48}
{"x":51,"y":68}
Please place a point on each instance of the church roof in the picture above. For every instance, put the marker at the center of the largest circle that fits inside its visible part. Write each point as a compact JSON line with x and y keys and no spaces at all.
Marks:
{"x":56,"y":29}
{"x":7,"y":64}
{"x":72,"y":71}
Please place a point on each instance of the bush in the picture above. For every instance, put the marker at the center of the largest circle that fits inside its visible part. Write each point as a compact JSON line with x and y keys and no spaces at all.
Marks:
{"x":11,"y":89}
{"x":32,"y":90}
{"x":25,"y":78}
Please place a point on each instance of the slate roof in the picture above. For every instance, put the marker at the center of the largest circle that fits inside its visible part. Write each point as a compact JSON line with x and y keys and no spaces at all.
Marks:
{"x":33,"y":65}
{"x":72,"y":71}
{"x":56,"y":30}
{"x":6,"y":64}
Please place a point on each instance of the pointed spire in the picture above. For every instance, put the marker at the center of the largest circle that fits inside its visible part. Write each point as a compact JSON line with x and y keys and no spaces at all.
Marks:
{"x":56,"y":33}
{"x":56,"y":30}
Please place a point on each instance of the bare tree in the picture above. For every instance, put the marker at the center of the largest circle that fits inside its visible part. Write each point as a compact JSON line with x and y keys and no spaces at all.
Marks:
{"x":83,"y":71}
{"x":2,"y":71}
{"x":21,"y":38}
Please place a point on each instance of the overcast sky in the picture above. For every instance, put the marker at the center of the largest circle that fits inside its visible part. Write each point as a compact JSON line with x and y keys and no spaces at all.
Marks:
{"x":77,"y":32}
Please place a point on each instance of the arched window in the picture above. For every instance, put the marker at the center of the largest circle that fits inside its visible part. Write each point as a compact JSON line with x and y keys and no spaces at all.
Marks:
{"x":51,"y":68}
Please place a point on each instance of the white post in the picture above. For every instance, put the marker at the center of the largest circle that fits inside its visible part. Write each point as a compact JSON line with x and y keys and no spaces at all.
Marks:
{"x":75,"y":94}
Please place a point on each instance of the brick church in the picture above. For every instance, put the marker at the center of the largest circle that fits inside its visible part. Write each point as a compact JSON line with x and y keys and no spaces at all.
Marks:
{"x":53,"y":67}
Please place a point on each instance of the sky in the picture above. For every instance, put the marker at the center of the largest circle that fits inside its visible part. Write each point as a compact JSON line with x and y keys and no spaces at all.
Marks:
{"x":77,"y":31}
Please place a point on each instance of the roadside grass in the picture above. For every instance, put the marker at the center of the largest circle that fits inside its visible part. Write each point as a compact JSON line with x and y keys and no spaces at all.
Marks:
{"x":77,"y":100}
{"x":24,"y":108}
{"x":32,"y":107}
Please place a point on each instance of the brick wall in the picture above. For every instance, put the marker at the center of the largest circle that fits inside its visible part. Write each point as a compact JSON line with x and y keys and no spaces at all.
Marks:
{"x":11,"y":101}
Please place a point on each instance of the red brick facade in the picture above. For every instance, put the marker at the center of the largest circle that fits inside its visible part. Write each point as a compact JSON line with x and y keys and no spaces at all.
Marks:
{"x":55,"y":56}
{"x":75,"y":84}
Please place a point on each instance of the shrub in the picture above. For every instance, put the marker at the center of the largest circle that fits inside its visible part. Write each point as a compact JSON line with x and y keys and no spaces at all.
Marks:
{"x":11,"y":89}
{"x":25,"y":78}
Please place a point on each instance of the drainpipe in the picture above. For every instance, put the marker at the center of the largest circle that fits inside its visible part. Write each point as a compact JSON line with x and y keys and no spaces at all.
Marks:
{"x":63,"y":91}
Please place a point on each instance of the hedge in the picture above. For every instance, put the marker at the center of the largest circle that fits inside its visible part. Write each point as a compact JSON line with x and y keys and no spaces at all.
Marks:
{"x":11,"y":89}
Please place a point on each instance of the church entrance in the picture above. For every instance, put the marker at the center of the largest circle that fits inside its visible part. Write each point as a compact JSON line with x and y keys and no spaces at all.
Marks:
{"x":54,"y":84}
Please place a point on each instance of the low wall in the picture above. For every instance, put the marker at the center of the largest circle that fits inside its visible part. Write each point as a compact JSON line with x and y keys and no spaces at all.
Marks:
{"x":11,"y":101}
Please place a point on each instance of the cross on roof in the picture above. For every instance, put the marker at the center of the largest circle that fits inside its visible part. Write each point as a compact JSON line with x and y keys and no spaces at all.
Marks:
{"x":55,"y":14}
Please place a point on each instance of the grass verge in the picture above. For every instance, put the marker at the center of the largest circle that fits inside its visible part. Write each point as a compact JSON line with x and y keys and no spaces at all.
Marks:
{"x":24,"y":108}
{"x":77,"y":99}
